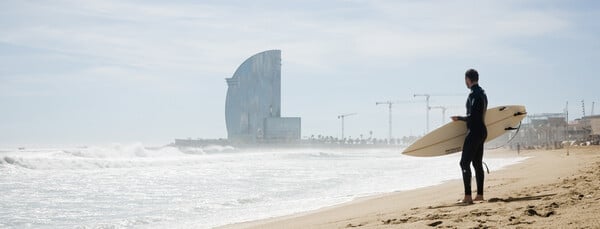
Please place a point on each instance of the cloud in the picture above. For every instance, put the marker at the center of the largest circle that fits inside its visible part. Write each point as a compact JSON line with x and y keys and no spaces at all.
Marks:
{"x":121,"y":41}
{"x":212,"y":38}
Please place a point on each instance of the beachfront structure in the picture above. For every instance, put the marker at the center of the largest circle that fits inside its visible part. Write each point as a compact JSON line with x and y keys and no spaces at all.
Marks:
{"x":593,"y":123}
{"x":253,"y":103}
{"x":551,"y":130}
{"x":546,"y":130}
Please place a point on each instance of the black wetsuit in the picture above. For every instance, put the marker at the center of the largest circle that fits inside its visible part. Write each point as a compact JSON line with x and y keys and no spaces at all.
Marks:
{"x":476,"y":135}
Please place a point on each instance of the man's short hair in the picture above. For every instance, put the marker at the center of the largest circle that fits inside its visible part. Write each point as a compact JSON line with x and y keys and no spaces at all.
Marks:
{"x":472,"y":75}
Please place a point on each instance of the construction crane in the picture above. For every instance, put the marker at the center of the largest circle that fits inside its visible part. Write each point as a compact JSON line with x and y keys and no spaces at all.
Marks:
{"x":342,"y":117}
{"x":390,"y":103}
{"x":444,"y":109}
{"x":583,"y":107}
{"x":443,"y":112}
{"x":428,"y":108}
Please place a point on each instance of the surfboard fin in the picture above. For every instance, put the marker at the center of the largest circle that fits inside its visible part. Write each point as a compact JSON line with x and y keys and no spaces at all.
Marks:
{"x":520,"y":113}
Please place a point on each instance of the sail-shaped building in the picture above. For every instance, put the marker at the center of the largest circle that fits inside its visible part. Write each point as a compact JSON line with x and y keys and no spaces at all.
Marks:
{"x":253,"y":103}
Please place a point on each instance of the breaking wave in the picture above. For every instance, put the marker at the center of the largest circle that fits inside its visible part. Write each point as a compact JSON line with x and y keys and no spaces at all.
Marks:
{"x":110,"y":156}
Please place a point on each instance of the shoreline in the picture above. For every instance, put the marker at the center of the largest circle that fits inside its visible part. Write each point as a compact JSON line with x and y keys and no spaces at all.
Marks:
{"x":381,"y":210}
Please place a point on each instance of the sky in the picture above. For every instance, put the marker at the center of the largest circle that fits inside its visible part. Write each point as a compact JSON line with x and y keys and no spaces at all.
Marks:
{"x":112,"y":71}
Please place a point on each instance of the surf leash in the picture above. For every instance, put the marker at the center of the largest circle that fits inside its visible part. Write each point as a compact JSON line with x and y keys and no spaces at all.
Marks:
{"x":511,"y":138}
{"x":486,"y":167}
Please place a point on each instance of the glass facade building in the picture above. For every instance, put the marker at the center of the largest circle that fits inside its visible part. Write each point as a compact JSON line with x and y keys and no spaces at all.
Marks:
{"x":253,"y":103}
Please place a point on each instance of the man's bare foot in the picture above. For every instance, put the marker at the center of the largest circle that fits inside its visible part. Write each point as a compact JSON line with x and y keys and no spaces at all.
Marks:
{"x":467,"y":200}
{"x":479,"y":198}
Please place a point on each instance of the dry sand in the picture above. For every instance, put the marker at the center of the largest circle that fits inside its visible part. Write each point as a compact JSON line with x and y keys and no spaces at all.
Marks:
{"x":549,"y":190}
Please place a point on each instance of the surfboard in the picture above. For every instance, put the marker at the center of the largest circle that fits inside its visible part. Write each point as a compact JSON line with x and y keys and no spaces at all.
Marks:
{"x":449,"y":138}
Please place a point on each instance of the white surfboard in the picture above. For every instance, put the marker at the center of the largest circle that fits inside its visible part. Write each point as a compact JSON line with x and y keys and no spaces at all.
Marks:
{"x":449,"y":138}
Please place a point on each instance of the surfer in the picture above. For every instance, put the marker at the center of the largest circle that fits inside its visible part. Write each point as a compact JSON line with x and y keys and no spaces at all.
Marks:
{"x":476,"y":135}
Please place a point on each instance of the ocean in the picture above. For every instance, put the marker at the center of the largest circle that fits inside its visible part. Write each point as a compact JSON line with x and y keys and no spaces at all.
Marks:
{"x":130,"y":185}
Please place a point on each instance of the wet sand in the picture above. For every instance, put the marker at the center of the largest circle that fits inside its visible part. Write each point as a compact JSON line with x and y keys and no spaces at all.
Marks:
{"x":549,"y":190}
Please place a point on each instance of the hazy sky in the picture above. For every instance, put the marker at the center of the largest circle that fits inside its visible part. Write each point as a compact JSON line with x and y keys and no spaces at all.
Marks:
{"x":93,"y":72}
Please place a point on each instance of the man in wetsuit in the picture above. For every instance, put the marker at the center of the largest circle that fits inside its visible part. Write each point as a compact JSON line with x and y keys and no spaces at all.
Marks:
{"x":476,"y":135}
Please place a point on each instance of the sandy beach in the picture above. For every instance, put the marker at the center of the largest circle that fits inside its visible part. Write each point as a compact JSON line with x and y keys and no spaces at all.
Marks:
{"x":548,"y":190}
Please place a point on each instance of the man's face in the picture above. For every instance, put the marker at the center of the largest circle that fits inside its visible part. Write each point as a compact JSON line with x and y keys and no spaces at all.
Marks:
{"x":468,"y":82}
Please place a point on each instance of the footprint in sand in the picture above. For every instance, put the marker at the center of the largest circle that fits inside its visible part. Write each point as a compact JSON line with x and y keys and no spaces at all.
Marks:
{"x":396,"y":221}
{"x":553,"y":205}
{"x":533,"y":212}
{"x":435,"y":224}
{"x":351,"y":225}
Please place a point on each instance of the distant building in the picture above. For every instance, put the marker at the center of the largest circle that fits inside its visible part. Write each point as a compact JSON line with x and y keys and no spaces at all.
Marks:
{"x":542,"y":130}
{"x":253,"y":103}
{"x":551,"y":130}
{"x":593,"y":123}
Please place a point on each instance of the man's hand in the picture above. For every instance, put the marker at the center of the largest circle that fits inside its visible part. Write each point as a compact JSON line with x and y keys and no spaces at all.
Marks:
{"x":455,"y":118}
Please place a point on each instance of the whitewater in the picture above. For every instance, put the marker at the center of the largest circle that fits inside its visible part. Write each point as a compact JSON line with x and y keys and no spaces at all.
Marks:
{"x":130,"y":185}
